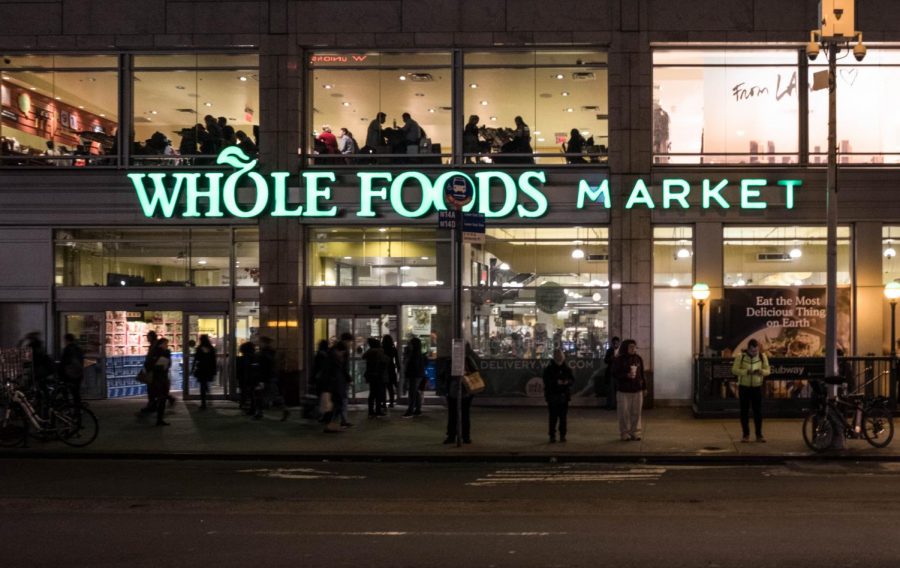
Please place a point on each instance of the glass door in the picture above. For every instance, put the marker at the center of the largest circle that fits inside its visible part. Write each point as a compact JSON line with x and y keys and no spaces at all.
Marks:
{"x":214,"y":325}
{"x":362,"y":327}
{"x":88,"y":329}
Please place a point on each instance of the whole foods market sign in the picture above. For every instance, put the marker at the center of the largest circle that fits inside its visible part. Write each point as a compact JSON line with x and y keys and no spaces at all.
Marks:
{"x":413,"y":194}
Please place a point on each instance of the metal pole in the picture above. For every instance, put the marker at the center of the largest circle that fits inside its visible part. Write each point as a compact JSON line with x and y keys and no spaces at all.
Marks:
{"x":459,"y":323}
{"x":700,"y":348}
{"x":831,"y":366}
{"x":892,"y":389}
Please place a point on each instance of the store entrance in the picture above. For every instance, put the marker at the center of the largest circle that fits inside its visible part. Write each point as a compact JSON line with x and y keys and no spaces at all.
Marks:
{"x":362,"y":326}
{"x":215,"y":326}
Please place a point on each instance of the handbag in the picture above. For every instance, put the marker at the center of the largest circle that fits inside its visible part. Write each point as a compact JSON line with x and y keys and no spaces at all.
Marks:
{"x":144,"y":377}
{"x":325,"y":403}
{"x":473,"y":382}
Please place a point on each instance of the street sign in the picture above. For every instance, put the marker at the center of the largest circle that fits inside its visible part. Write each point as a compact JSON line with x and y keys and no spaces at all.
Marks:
{"x":458,"y":191}
{"x":458,"y":358}
{"x":473,"y":228}
{"x":447,"y":219}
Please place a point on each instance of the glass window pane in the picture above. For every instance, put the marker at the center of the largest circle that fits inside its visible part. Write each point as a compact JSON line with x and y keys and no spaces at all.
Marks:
{"x":890,"y":243}
{"x":673,"y":256}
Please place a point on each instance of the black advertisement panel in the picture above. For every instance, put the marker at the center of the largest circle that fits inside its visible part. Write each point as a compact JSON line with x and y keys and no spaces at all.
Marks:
{"x":787,"y":322}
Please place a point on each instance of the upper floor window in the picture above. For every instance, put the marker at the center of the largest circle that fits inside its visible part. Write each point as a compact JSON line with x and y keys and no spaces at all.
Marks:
{"x":187,"y":108}
{"x":738,"y":106}
{"x":58,"y":110}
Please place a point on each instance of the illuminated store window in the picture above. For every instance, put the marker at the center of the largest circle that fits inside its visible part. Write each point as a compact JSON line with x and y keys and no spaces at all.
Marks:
{"x":367,"y":94}
{"x":58,"y":110}
{"x":738,"y":106}
{"x":560,"y":97}
{"x":867,"y":134}
{"x":673,"y":256}
{"x":187,"y":108}
{"x":890,"y":244}
{"x":120,"y":258}
{"x":378,"y":256}
{"x":536,"y":289}
{"x":246,"y":257}
{"x":782,"y":256}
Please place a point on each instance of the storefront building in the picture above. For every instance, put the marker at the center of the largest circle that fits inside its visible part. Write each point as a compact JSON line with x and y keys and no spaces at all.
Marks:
{"x":170,"y":168}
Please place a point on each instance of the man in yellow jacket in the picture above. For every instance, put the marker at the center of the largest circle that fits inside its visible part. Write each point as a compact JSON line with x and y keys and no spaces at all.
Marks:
{"x":750,"y":367}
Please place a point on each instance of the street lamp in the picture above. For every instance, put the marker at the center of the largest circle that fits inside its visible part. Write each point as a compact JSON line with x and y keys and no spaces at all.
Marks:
{"x":837,"y":19}
{"x":700,"y":292}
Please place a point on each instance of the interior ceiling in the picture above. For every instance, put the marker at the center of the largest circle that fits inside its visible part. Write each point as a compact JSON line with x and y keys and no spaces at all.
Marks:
{"x":354,"y":97}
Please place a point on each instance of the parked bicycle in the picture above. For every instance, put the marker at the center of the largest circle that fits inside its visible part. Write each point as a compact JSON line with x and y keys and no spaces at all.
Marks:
{"x":853,"y":414}
{"x":73,"y":425}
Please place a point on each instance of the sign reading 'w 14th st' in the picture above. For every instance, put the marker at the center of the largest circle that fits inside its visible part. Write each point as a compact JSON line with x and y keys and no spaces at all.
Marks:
{"x":410,"y":194}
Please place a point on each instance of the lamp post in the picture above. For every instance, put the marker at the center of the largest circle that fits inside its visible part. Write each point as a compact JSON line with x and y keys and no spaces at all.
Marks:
{"x":837,"y":19}
{"x":892,"y":292}
{"x":700,"y":292}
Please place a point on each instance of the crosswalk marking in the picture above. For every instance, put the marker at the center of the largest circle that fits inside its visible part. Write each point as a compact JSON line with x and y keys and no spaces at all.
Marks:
{"x":298,"y":473}
{"x":568,"y":474}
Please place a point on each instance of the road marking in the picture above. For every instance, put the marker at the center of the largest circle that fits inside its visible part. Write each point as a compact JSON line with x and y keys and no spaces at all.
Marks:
{"x":406,"y":533}
{"x":567,"y":474}
{"x":298,"y":473}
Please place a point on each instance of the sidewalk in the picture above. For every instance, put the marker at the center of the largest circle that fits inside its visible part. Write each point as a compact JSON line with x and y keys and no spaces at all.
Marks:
{"x":497,"y":433}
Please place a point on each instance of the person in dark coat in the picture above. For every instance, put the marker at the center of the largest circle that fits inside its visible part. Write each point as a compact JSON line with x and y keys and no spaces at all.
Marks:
{"x":246,"y":371}
{"x":393,"y":366}
{"x":414,"y":371}
{"x":558,"y":380}
{"x":267,"y":391}
{"x":453,"y":402}
{"x":159,"y":387}
{"x":148,"y":370}
{"x":376,"y":375}
{"x":204,"y":367}
{"x":71,"y":367}
{"x":628,"y":370}
{"x":333,"y":380}
{"x":611,"y":353}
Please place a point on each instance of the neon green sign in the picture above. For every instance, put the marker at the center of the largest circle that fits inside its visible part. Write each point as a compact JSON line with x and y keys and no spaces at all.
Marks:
{"x":411,"y":194}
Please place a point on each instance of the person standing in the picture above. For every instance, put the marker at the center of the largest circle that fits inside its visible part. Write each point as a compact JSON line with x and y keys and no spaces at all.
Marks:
{"x":414,"y":372}
{"x":204,"y":367}
{"x":246,"y":370}
{"x":750,"y":368}
{"x":393,"y":366}
{"x":162,"y":362}
{"x":453,"y":402}
{"x":611,"y":353}
{"x":267,"y":391}
{"x":375,"y":374}
{"x":332,"y":381}
{"x":558,"y":380}
{"x":71,"y":367}
{"x":628,"y":370}
{"x":375,"y":134}
{"x":470,"y":139}
{"x":148,"y":370}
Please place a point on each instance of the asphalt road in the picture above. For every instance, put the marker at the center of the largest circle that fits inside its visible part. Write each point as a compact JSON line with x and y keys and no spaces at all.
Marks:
{"x":194,"y":513}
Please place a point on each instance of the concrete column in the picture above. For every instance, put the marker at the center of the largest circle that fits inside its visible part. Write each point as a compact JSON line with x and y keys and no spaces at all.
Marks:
{"x":281,"y":241}
{"x":709,"y":269}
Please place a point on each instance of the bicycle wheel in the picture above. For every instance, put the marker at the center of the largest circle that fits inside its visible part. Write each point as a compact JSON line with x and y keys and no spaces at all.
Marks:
{"x":77,"y":426}
{"x":13,"y":427}
{"x":818,"y":431}
{"x":878,"y":426}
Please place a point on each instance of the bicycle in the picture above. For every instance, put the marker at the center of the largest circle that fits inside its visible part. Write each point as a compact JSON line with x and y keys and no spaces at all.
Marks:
{"x":860,"y":417}
{"x":74,"y":425}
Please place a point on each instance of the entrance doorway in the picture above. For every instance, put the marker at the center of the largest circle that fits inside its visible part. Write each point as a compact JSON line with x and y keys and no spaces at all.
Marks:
{"x":214,"y":325}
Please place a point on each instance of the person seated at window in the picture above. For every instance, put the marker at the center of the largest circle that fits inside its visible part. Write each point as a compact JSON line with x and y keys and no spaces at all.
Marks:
{"x":375,"y":134}
{"x":246,"y":144}
{"x":211,"y":143}
{"x":520,"y":143}
{"x":228,"y":135}
{"x":412,"y":132}
{"x":190,"y":138}
{"x":575,"y":145}
{"x":470,"y":139}
{"x":347,"y":144}
{"x":327,"y":138}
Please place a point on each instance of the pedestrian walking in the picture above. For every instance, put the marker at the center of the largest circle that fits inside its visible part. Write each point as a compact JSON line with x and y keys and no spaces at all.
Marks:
{"x":71,"y":368}
{"x":376,"y":376}
{"x":750,"y":367}
{"x":147,"y":370}
{"x":628,"y":372}
{"x":160,"y":385}
{"x":246,"y":371}
{"x":267,"y":392}
{"x":204,"y":367}
{"x":558,"y":380}
{"x":332,"y":384}
{"x":414,"y":372}
{"x":345,"y":379}
{"x":611,"y":353}
{"x":393,"y":365}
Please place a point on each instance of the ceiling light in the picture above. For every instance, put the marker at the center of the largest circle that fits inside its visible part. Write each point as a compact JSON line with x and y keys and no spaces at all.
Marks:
{"x":345,"y":103}
{"x":596,"y":296}
{"x":570,"y":109}
{"x":473,"y":85}
{"x":404,"y":268}
{"x":35,"y":89}
{"x":493,"y":119}
{"x":683,"y":253}
{"x":424,"y":258}
{"x":327,"y":86}
{"x":673,"y":282}
{"x":578,"y":254}
{"x":402,"y":77}
{"x":536,"y":132}
{"x":890,"y":252}
{"x":560,"y":76}
{"x":207,"y":104}
{"x":484,"y":103}
{"x":348,"y":258}
{"x":410,"y":284}
{"x":382,"y":230}
{"x":81,"y":107}
{"x":202,"y":262}
{"x":153,"y":112}
{"x":436,"y":283}
{"x":242,"y":78}
{"x":585,"y":132}
{"x":503,"y":266}
{"x":795,"y":253}
{"x":103,"y":115}
{"x":564,"y":93}
{"x":59,"y":98}
{"x":740,"y":282}
{"x":540,"y":139}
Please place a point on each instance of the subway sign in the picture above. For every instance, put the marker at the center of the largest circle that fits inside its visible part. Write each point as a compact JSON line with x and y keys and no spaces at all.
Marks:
{"x":412,"y":194}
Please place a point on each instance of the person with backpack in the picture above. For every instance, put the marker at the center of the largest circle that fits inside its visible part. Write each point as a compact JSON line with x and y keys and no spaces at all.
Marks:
{"x":204,"y":368}
{"x":751,"y":367}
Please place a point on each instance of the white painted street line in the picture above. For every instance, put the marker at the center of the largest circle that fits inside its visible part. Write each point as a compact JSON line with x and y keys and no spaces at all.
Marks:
{"x":404,"y":533}
{"x":298,"y":473}
{"x":567,"y":474}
